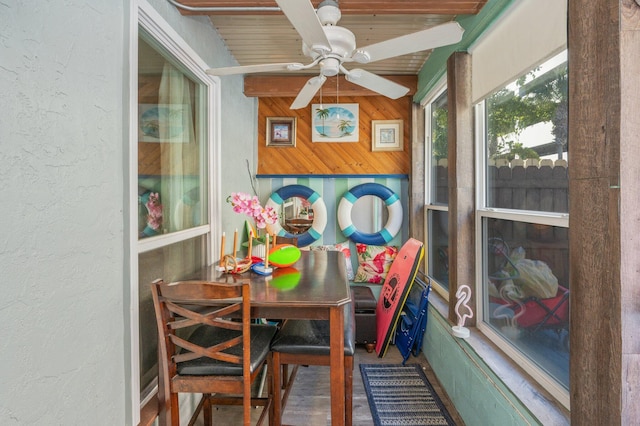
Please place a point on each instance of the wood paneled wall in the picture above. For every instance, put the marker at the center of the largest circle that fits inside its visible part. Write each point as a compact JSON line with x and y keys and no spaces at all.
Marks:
{"x":334,"y":158}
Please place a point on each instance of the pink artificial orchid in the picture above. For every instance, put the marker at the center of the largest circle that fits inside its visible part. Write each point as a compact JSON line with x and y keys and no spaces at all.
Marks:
{"x":246,"y":204}
{"x":154,"y":218}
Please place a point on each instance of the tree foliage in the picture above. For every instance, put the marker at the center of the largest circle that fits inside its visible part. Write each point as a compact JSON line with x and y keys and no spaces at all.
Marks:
{"x":439,"y":132}
{"x":532,"y":99}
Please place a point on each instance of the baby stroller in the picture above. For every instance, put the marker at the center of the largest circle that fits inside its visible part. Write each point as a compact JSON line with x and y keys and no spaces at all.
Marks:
{"x":521,"y":311}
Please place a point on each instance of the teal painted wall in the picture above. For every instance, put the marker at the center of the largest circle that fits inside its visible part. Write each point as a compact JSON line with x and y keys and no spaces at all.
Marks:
{"x":480,"y":397}
{"x":474,"y":26}
{"x":477,"y":393}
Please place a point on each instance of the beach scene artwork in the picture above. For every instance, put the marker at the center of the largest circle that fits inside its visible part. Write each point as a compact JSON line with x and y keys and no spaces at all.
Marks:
{"x":335,"y":123}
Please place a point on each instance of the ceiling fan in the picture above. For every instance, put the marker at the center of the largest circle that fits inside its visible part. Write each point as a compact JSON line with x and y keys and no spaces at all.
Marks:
{"x":330,"y":46}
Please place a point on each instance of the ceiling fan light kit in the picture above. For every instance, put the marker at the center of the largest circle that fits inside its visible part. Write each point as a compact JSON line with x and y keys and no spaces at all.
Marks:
{"x":330,"y":46}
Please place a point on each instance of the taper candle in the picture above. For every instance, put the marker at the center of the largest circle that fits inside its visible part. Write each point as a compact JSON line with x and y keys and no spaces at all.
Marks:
{"x":222,"y":242}
{"x":235,"y":243}
{"x":266,"y":252}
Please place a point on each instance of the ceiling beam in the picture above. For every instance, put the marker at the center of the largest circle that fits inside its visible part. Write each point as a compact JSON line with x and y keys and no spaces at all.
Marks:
{"x":347,"y":7}
{"x":268,"y":86}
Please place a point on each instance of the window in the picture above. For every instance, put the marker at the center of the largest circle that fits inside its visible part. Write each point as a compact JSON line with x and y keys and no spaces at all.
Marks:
{"x":522,"y":222}
{"x":437,"y":184}
{"x":172,"y":182}
{"x":174,"y":118}
{"x":172,"y":168}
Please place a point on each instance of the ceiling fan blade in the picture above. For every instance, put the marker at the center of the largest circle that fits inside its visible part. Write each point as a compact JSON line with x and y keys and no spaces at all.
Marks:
{"x":440,"y":35}
{"x":308,"y":91}
{"x":306,"y":22}
{"x":247,"y":69}
{"x":376,"y":83}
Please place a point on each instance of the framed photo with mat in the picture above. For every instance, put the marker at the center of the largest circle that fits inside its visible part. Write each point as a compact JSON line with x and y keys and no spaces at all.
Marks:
{"x":387,"y":135}
{"x":281,"y":131}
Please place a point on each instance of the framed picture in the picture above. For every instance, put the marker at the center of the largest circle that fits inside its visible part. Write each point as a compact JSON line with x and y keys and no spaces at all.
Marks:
{"x":164,"y":123}
{"x":335,"y":123}
{"x":281,"y":131}
{"x":387,"y":135}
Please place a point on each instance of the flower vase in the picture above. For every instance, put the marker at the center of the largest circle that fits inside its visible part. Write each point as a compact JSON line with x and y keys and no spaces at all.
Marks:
{"x":148,"y":232}
{"x":258,"y":250}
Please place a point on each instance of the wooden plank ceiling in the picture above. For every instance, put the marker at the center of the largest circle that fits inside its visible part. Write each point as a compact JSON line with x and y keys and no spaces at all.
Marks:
{"x":256,"y":36}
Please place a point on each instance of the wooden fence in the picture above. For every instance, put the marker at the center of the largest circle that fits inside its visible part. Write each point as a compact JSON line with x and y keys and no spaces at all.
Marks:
{"x":536,"y":185}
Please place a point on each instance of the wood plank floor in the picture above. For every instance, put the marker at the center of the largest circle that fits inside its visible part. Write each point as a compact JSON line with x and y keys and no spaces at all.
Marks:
{"x":309,"y":402}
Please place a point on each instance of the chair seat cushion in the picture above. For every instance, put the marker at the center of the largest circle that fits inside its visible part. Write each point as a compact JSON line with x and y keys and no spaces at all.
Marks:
{"x":206,"y":336}
{"x":312,"y":336}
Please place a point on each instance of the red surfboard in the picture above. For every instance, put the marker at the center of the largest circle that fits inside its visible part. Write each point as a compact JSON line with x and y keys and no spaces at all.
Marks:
{"x":395,"y":291}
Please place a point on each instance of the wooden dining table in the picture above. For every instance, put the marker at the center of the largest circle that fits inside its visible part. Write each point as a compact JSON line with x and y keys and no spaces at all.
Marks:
{"x":315,"y":287}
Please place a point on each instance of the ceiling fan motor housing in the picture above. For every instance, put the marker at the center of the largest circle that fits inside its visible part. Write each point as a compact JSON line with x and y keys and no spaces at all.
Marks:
{"x":343,"y":43}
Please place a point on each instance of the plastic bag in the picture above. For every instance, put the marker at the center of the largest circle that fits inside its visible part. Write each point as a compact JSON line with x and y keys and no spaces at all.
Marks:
{"x":535,"y":277}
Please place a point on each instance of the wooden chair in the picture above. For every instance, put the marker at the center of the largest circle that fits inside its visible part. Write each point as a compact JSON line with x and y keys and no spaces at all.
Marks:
{"x":307,"y":342}
{"x":202,"y":350}
{"x":287,"y":240}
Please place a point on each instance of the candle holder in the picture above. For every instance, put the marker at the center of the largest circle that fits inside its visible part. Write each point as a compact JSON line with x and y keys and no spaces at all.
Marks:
{"x":233,"y":265}
{"x":230,"y":263}
{"x":263,"y":268}
{"x":260,"y":269}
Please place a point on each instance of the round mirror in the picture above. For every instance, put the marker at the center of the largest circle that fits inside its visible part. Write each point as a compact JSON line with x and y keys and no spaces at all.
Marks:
{"x":369,"y":214}
{"x":296,"y":215}
{"x":346,"y":214}
{"x":302,"y":213}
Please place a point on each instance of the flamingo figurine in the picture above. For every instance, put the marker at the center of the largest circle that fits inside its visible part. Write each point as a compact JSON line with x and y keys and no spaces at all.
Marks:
{"x":464,"y":295}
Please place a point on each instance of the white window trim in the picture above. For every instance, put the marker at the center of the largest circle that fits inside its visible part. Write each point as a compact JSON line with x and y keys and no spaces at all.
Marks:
{"x":546,"y":218}
{"x":432,"y":96}
{"x":437,"y":90}
{"x":143,"y":15}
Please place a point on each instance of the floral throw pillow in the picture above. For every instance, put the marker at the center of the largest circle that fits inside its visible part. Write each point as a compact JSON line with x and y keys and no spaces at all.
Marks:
{"x":344,"y":248}
{"x":374,"y":263}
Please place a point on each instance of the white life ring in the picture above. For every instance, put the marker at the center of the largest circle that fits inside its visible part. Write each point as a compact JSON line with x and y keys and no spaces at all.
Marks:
{"x":319,"y":212}
{"x":394,"y":208}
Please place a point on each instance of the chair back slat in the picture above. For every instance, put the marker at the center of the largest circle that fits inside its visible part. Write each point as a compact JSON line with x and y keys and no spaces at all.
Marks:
{"x":287,"y":240}
{"x":185,"y":304}
{"x":185,"y":317}
{"x":213,"y":352}
{"x":202,"y":290}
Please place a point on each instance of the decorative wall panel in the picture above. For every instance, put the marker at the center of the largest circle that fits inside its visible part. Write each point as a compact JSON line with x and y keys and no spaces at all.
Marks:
{"x":331,"y":190}
{"x":334,"y":158}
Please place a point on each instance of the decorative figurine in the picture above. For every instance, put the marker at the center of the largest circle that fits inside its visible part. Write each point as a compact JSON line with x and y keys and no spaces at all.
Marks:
{"x":464,"y":295}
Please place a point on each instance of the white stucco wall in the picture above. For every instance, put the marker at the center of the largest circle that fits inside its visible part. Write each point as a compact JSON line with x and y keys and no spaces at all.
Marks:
{"x":63,"y":84}
{"x":61,"y":255}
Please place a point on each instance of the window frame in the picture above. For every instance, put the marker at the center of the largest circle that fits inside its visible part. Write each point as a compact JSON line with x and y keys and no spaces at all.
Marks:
{"x":429,"y":206}
{"x":483,"y":212}
{"x":145,"y":17}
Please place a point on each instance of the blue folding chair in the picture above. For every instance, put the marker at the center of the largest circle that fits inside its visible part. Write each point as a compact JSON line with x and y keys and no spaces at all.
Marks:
{"x":413,"y":320}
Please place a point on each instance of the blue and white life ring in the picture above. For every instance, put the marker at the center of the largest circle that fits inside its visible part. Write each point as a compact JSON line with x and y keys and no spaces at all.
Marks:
{"x":319,"y":212}
{"x":394,"y":207}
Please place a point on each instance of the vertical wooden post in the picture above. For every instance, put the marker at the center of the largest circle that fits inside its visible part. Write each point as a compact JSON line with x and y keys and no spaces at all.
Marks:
{"x":604,"y":83}
{"x":461,"y":179}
